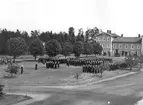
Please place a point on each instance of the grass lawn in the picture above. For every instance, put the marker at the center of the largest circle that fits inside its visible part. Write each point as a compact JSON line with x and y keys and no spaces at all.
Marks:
{"x":62,"y":76}
{"x":13,"y":99}
{"x":85,"y":78}
{"x":42,"y":76}
{"x":86,"y":98}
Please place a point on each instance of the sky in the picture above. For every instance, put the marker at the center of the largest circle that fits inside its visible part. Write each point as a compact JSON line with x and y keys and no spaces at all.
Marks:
{"x":119,"y":16}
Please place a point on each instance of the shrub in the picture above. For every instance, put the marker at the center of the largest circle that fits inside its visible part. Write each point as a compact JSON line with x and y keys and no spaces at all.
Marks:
{"x":114,"y":66}
{"x":131,"y":62}
{"x":12,"y":68}
{"x":1,"y":91}
{"x":123,"y":65}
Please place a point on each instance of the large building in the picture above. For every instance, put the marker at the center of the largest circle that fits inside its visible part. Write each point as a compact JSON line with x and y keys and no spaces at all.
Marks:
{"x":112,"y":43}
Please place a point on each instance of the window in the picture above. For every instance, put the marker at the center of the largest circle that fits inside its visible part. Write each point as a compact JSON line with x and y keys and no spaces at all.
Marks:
{"x":132,"y":46}
{"x":108,"y":38}
{"x":138,"y":46}
{"x":120,"y":45}
{"x":103,"y":45}
{"x":108,"y":45}
{"x":138,"y":53}
{"x":103,"y":38}
{"x":126,"y":46}
{"x":114,"y":45}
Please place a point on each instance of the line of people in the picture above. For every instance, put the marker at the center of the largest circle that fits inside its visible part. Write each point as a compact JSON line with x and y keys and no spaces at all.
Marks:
{"x":53,"y":64}
{"x":81,"y":62}
{"x":91,"y":69}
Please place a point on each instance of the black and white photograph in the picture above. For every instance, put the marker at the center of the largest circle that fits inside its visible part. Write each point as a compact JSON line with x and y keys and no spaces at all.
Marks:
{"x":71,"y":52}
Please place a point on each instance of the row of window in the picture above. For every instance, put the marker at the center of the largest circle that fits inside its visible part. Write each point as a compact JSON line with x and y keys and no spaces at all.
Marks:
{"x":105,"y":45}
{"x":126,"y":46}
{"x":120,"y":52}
{"x":102,"y":38}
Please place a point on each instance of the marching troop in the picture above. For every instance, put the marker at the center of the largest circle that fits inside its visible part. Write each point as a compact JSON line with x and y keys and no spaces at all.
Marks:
{"x":53,"y":64}
{"x":90,"y":65}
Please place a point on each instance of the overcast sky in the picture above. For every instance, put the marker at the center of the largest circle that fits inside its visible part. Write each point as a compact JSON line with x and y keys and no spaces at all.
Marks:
{"x":120,"y":16}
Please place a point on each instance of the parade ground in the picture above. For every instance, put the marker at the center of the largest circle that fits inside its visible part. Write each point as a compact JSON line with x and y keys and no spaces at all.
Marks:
{"x":59,"y":87}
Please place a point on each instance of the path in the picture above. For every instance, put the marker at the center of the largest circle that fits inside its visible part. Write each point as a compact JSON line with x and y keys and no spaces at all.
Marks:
{"x":38,"y":97}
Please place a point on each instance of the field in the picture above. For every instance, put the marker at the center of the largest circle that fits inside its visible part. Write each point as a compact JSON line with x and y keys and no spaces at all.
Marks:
{"x":41,"y":81}
{"x":13,"y":99}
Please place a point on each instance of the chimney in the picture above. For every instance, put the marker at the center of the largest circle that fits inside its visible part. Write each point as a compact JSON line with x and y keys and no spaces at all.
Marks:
{"x":139,"y":35}
{"x":122,"y":35}
{"x":109,"y":31}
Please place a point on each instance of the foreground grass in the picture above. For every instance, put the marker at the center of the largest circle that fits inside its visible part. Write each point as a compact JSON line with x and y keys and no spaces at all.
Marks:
{"x":13,"y":99}
{"x":86,"y":98}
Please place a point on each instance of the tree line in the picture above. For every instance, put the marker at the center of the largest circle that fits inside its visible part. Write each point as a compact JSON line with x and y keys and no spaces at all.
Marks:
{"x":55,"y":43}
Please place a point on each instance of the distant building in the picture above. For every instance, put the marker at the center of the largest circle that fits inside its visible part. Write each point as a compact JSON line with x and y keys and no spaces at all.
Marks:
{"x":124,"y":45}
{"x":105,"y":39}
{"x":127,"y":45}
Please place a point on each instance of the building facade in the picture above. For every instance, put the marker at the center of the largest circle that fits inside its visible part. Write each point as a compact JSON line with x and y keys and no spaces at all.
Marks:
{"x":112,"y":43}
{"x":105,"y":40}
{"x":127,"y":45}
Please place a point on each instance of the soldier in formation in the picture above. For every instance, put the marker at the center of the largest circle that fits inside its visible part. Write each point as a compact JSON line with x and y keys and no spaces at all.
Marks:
{"x":55,"y":63}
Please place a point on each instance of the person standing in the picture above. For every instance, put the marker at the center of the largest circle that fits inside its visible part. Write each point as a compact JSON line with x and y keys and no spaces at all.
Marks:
{"x":36,"y":66}
{"x":21,"y":69}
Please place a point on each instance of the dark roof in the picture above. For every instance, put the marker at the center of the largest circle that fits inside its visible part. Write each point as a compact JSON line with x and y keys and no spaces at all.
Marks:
{"x":127,"y":39}
{"x":110,"y":34}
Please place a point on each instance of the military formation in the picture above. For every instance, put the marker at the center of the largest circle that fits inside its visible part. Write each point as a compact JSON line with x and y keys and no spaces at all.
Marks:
{"x":90,"y":65}
{"x":53,"y":64}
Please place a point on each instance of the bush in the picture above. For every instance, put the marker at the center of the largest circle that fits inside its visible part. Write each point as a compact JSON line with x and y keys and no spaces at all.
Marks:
{"x":114,"y":66}
{"x":12,"y":68}
{"x":1,"y":91}
{"x":123,"y":65}
{"x":131,"y":62}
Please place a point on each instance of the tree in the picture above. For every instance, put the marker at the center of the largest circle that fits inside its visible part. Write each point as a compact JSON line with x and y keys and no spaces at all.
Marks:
{"x":80,"y":36}
{"x":67,"y":49}
{"x":93,"y":32}
{"x":16,"y":47}
{"x":97,"y":48}
{"x":87,"y":35}
{"x":35,"y":34}
{"x":87,"y":48}
{"x":78,"y":48}
{"x":71,"y":35}
{"x":53,"y":48}
{"x":36,"y":47}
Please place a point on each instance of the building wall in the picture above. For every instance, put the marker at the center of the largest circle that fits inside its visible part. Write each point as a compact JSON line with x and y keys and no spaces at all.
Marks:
{"x":131,"y":48}
{"x":106,"y":42}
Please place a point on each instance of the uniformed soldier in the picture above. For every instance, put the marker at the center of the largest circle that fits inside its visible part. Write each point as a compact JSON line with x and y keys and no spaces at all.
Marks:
{"x":58,"y":64}
{"x":21,"y":69}
{"x":36,"y":65}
